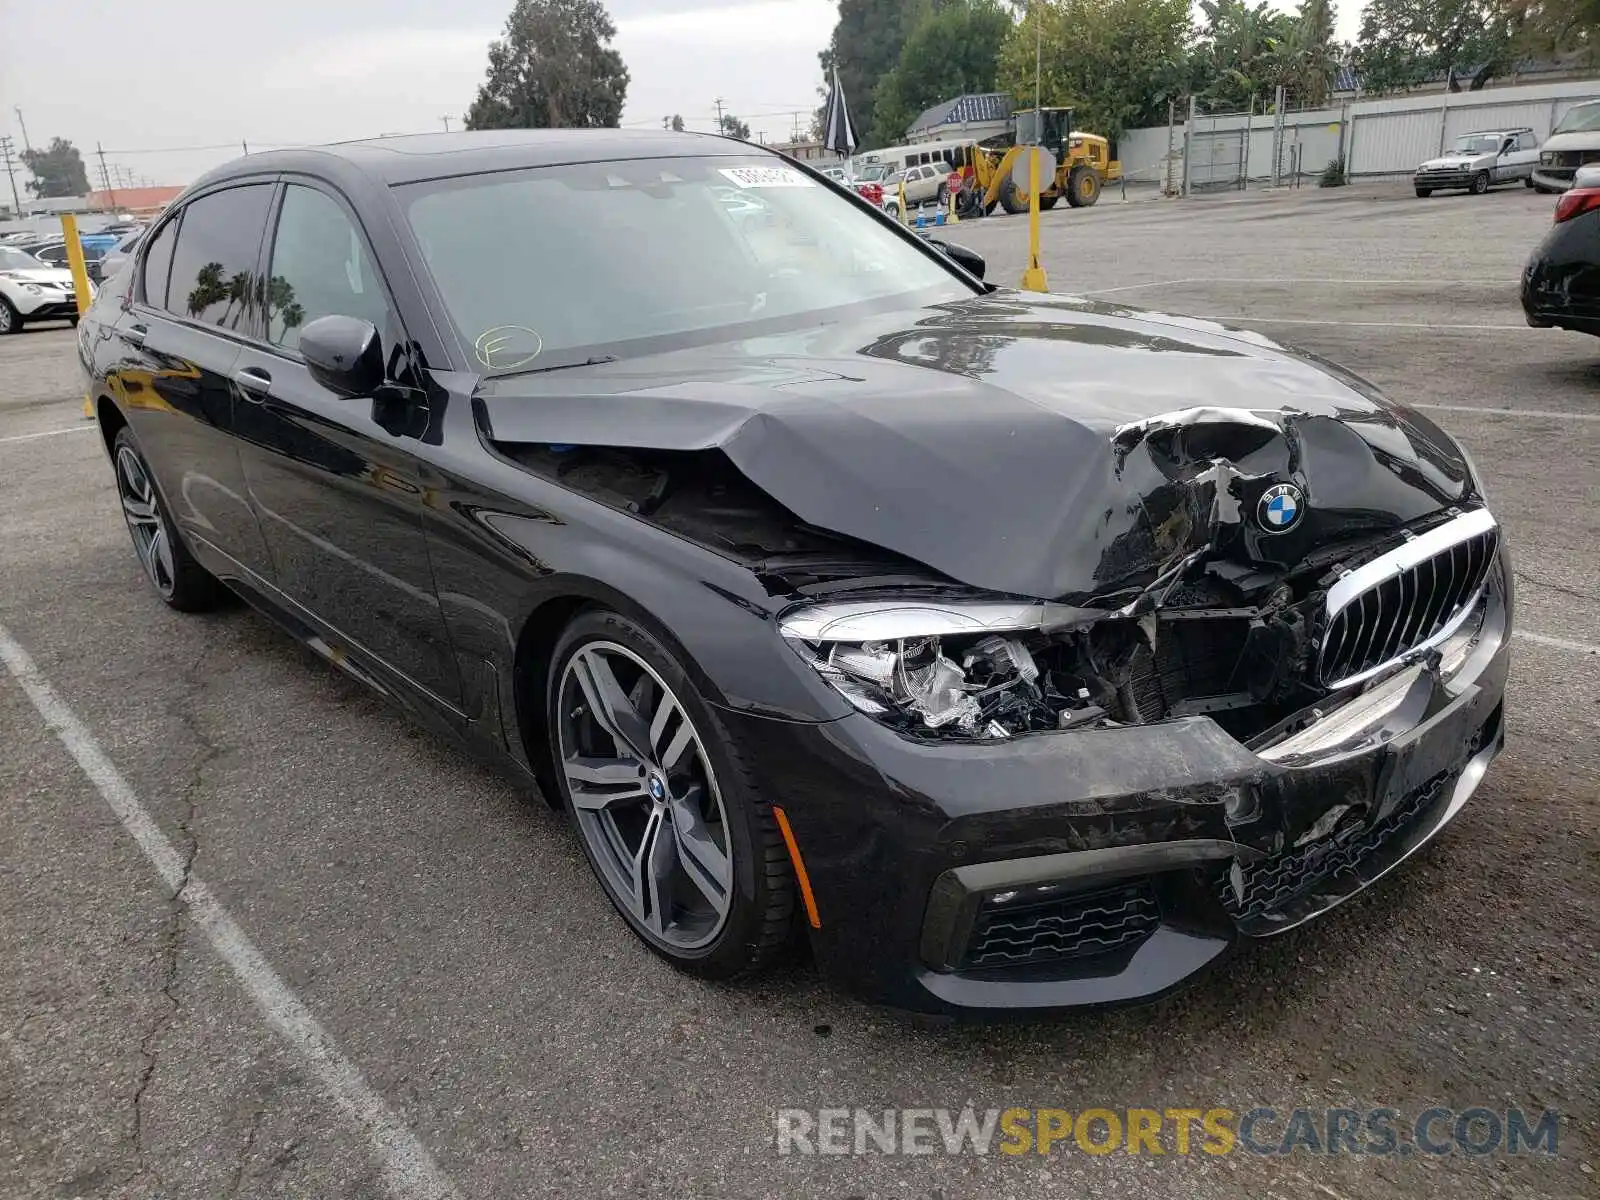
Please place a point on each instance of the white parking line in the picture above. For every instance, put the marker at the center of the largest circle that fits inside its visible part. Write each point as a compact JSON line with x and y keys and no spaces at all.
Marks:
{"x":408,"y":1170}
{"x":1544,"y":639}
{"x":1545,"y":413}
{"x":1134,"y":287}
{"x":29,"y":437}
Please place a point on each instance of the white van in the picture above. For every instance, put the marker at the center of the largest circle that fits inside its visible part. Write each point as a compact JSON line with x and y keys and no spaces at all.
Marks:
{"x":1575,"y":142}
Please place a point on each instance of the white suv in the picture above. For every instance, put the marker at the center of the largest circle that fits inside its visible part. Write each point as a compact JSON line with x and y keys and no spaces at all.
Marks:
{"x":32,"y":291}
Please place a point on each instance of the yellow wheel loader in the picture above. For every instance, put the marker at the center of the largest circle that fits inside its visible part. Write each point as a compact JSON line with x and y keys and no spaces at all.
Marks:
{"x":1083,"y":163}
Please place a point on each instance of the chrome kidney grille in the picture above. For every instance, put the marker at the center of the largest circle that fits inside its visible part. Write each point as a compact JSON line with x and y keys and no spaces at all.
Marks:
{"x":1406,"y":599}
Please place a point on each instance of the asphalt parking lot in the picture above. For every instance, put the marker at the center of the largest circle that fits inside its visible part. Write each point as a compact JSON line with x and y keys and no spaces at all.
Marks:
{"x":484,"y":1025}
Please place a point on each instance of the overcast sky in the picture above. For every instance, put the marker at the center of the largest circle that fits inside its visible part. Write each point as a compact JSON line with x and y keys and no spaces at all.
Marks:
{"x":147,"y":80}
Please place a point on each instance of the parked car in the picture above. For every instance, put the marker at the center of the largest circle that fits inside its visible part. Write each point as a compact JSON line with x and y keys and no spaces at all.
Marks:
{"x":807,"y":573}
{"x":116,"y":257}
{"x":31,"y":291}
{"x":1561,"y":283}
{"x":1477,"y":161}
{"x":928,"y":183}
{"x":54,"y":254}
{"x":1575,"y":142}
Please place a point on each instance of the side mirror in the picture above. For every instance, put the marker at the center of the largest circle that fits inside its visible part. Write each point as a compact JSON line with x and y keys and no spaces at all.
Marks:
{"x":970,"y":259}
{"x":344,"y":354}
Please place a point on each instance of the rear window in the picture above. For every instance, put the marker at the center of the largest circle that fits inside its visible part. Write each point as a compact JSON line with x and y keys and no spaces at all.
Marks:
{"x":1585,"y":118}
{"x":546,"y":266}
{"x":215,"y":259}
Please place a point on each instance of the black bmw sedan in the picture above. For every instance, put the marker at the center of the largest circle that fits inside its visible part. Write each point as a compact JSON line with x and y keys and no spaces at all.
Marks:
{"x":1020,"y":651}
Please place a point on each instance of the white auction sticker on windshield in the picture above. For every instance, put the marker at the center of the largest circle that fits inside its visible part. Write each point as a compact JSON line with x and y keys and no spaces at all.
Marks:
{"x":764,"y":177}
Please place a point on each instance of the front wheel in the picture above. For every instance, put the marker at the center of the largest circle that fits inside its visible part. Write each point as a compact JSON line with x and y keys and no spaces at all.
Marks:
{"x":1424,"y":193}
{"x":1480,"y":183}
{"x":669,"y":816}
{"x":1083,"y":187}
{"x":10,"y":318}
{"x":177,"y":578}
{"x":1527,"y":181}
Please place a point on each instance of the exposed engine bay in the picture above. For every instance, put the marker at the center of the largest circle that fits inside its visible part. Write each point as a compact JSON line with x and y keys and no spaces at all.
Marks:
{"x":1216,"y":634}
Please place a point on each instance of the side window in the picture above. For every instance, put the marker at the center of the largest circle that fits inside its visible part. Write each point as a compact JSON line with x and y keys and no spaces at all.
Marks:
{"x":320,"y":268}
{"x":158,"y":265}
{"x":214,"y":263}
{"x":1525,"y":142}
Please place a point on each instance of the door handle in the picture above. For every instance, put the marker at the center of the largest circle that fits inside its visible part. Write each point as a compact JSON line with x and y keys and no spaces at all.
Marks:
{"x":134,"y":335}
{"x":253,"y":382}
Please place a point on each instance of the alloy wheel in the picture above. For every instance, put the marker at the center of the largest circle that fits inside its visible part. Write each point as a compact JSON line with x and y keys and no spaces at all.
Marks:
{"x":151,"y":538}
{"x":645,"y":796}
{"x":6,"y":317}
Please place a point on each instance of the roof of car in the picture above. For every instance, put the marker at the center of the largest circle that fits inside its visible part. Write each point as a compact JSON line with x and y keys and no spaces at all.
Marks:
{"x":413,"y":157}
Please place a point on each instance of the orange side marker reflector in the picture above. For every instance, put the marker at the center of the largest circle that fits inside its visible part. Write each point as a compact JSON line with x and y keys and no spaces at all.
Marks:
{"x":799,"y":867}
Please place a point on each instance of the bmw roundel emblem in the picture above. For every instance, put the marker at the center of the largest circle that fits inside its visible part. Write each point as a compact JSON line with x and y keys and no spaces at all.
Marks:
{"x":1280,"y":508}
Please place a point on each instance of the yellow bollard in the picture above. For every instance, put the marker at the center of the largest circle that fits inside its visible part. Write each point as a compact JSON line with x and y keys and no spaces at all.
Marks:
{"x":80,"y":281}
{"x":1033,"y":278}
{"x":954,"y":218}
{"x":902,"y":211}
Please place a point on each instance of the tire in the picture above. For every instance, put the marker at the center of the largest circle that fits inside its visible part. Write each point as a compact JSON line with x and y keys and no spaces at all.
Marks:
{"x":1046,"y":203}
{"x":1083,"y":187}
{"x":178,"y":579}
{"x":1424,"y":193}
{"x":1480,"y":183}
{"x":1527,"y":181}
{"x":10,"y":318}
{"x":1542,"y":190}
{"x":1012,"y":199}
{"x":728,"y":908}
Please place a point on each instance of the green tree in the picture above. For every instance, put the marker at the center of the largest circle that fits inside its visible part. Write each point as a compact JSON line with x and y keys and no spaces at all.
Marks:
{"x":554,"y":68}
{"x":57,"y":170}
{"x":735,"y":128}
{"x":951,"y":50}
{"x":1403,"y":42}
{"x":1311,"y":55}
{"x":865,"y":47}
{"x":1243,"y":53}
{"x":1549,"y":28}
{"x":1116,"y":62}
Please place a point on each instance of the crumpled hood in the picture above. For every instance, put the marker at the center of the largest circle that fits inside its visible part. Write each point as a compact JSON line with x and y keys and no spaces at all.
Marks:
{"x":1043,"y":446}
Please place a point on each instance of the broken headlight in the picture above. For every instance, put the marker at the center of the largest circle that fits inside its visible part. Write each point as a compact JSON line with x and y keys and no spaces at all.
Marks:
{"x":956,"y":669}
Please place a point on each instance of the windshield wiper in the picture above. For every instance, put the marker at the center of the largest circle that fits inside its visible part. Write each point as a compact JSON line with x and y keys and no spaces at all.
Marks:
{"x":593,"y":361}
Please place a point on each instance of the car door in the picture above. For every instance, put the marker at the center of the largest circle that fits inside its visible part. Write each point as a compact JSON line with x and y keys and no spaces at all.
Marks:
{"x":334,"y":481}
{"x":176,"y":343}
{"x":1524,"y":156}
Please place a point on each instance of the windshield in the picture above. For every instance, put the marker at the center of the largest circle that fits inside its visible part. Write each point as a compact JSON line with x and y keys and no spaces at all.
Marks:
{"x":1585,"y":118}
{"x":16,"y":260}
{"x":550,"y":266}
{"x":873,"y":172}
{"x":1478,"y":143}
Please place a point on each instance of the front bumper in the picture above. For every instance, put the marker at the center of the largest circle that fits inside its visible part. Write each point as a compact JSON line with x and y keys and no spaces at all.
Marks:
{"x":1106,"y":865}
{"x":1443,"y":180}
{"x":51,"y":306}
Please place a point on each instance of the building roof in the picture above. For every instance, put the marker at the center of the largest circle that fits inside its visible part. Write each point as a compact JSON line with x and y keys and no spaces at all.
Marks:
{"x":134,"y":197}
{"x":963,"y":110}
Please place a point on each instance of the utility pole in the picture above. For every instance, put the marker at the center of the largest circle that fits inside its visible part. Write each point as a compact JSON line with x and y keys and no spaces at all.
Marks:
{"x":26,"y":145}
{"x":244,"y":145}
{"x":718,"y":103}
{"x":1038,"y":86}
{"x":446,"y":121}
{"x":105,"y":175}
{"x":5,"y":153}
